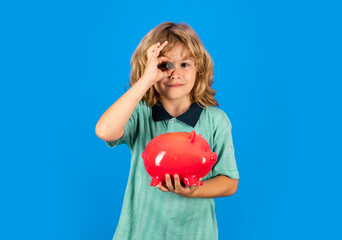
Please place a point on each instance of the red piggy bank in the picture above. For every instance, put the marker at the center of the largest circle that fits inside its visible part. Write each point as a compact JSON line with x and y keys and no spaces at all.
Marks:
{"x":185,"y":154}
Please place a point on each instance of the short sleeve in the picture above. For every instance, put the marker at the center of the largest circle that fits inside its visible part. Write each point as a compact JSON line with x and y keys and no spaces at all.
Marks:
{"x":223,"y":146}
{"x":129,"y":130}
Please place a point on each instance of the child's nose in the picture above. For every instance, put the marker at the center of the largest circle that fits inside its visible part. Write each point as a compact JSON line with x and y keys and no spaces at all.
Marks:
{"x":175,"y":74}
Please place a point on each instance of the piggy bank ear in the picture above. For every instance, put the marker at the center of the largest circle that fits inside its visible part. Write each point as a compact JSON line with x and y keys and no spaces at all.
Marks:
{"x":192,"y":136}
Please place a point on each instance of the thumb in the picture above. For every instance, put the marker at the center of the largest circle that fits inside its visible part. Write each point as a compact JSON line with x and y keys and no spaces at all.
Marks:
{"x":169,"y":72}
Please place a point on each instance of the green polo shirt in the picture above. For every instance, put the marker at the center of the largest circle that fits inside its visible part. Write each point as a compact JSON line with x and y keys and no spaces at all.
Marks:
{"x":150,"y":214}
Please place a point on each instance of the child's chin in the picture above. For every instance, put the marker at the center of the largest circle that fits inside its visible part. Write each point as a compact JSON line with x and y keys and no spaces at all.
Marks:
{"x":180,"y":97}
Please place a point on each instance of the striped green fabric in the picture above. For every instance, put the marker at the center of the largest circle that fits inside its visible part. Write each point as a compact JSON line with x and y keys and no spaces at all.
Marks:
{"x":150,"y":214}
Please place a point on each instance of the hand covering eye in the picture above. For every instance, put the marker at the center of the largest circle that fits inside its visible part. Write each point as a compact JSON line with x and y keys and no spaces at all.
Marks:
{"x":166,"y":66}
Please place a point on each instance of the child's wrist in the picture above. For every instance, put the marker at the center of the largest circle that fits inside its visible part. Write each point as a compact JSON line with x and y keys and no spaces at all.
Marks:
{"x":147,"y":80}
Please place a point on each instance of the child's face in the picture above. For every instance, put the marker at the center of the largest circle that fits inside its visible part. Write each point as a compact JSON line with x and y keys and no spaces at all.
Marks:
{"x":179,"y":84}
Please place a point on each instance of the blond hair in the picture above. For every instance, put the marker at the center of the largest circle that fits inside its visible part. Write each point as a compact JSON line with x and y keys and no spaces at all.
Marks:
{"x":177,"y":34}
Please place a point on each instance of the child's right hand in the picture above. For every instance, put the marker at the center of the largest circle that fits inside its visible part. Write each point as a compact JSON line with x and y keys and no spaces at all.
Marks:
{"x":152,"y":72}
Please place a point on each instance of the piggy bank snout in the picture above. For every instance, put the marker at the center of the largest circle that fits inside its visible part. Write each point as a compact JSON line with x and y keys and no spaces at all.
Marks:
{"x":213,"y":157}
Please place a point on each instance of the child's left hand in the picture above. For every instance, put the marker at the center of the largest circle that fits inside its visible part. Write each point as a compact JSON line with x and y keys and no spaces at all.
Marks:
{"x":177,"y":187}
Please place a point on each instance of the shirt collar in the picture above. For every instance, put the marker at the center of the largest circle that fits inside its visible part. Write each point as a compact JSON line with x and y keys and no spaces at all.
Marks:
{"x":190,"y":117}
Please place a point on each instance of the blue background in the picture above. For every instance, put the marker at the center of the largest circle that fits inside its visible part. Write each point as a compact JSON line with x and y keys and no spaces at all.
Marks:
{"x":277,"y":67}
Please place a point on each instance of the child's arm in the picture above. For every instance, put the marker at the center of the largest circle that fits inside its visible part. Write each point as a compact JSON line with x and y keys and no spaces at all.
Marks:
{"x":110,"y":126}
{"x":219,"y":186}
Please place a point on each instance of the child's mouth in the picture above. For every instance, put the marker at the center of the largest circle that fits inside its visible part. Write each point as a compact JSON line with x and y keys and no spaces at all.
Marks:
{"x":175,"y":85}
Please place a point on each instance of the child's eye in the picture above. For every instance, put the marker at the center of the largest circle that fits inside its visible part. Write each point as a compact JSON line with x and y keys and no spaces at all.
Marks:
{"x":185,"y":65}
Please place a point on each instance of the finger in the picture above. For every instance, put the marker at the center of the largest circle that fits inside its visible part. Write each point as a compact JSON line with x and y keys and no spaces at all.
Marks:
{"x":155,"y":49}
{"x":154,"y":46}
{"x":161,"y":47}
{"x":152,"y":49}
{"x":178,"y":185}
{"x":165,"y":73}
{"x":169,"y":72}
{"x":169,"y":182}
{"x":162,"y":188}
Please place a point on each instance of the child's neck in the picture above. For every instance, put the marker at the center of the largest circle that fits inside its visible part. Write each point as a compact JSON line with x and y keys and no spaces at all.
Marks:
{"x":176,"y":108}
